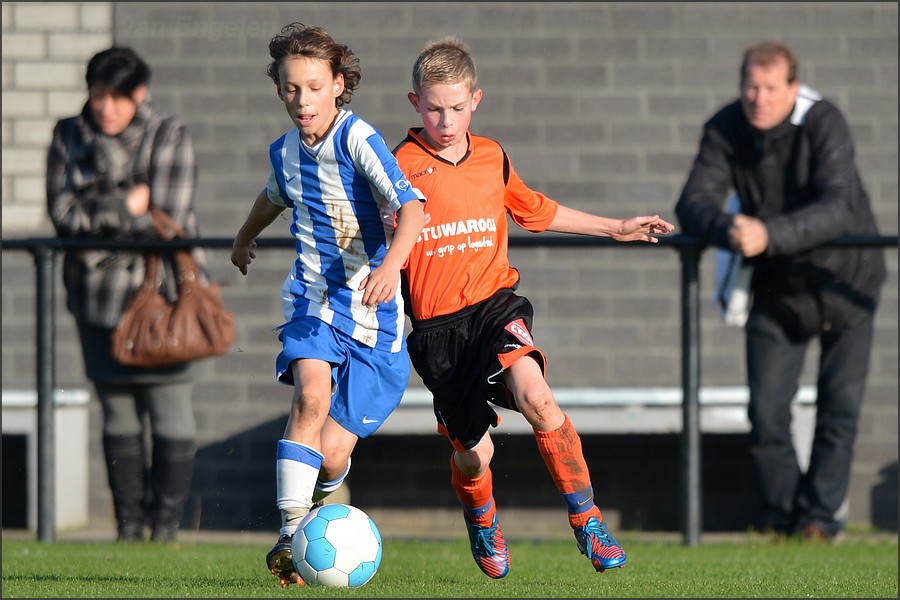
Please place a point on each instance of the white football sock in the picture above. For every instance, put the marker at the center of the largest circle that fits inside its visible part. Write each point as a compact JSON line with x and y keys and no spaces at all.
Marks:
{"x":296,"y":470}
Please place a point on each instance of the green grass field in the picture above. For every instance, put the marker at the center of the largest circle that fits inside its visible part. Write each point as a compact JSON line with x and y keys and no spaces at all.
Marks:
{"x":445,"y":569}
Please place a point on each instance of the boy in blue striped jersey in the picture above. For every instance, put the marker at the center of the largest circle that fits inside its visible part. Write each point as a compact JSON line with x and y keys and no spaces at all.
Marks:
{"x":343,"y":345}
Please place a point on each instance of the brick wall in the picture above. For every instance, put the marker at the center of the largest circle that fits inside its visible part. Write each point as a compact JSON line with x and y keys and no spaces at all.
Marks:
{"x":45,"y":49}
{"x":598,"y":104}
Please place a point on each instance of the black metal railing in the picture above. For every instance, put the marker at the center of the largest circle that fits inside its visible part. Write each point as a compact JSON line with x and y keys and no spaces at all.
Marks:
{"x":690,"y":250}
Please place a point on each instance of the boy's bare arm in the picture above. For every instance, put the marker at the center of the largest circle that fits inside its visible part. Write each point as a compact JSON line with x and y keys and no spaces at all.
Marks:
{"x":243,"y":251}
{"x":381,"y":283}
{"x":635,"y":229}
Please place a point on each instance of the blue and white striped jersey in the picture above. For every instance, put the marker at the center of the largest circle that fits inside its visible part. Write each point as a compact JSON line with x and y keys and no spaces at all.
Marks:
{"x":343,"y":193}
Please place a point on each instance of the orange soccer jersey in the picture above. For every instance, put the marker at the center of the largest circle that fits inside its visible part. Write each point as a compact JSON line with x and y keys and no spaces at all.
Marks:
{"x":461,"y":257}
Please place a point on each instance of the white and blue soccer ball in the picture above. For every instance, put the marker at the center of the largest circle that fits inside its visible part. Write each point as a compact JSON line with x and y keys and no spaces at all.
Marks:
{"x":337,"y":545}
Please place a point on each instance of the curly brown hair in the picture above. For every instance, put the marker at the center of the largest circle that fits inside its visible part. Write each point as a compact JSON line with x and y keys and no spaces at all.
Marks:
{"x":296,"y":39}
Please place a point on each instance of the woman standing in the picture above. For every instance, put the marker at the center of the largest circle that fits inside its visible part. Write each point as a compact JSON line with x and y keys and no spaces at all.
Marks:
{"x":105,"y":167}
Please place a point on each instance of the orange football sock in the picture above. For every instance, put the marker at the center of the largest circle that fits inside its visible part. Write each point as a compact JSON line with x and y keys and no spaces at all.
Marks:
{"x":562,"y":453}
{"x":475,"y":495}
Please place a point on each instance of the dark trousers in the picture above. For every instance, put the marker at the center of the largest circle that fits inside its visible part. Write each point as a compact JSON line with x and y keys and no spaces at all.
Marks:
{"x":792,"y":499}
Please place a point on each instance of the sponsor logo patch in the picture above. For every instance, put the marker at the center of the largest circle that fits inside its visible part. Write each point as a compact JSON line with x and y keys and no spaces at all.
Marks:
{"x":518,"y":329}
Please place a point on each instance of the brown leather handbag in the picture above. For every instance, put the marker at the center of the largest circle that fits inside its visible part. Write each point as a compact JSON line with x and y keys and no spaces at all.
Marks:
{"x":154,"y":332}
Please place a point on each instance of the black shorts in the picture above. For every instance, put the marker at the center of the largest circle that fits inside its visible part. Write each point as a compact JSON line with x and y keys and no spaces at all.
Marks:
{"x":461,"y":357}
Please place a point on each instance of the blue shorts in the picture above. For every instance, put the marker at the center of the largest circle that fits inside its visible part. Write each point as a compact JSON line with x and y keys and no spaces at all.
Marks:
{"x":368,"y":383}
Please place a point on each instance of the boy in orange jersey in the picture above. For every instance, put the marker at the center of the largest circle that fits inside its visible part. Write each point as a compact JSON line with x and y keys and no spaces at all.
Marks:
{"x":470,"y":339}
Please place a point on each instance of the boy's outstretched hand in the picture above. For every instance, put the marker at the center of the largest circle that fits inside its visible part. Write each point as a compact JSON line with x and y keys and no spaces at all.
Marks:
{"x":643,"y":229}
{"x":242,"y":255}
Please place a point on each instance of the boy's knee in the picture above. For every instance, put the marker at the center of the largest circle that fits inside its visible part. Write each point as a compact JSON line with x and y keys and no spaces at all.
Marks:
{"x":537,"y":405}
{"x":476,"y":461}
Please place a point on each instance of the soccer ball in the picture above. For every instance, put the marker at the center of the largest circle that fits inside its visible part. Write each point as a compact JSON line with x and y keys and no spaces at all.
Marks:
{"x":336,"y":545}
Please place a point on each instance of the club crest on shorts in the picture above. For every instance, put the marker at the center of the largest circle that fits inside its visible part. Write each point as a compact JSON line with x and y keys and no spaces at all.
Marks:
{"x":518,"y":329}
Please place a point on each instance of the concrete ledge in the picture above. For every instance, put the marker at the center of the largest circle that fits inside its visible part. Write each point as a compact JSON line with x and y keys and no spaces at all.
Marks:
{"x":71,"y":440}
{"x":29,"y":398}
{"x":618,"y":410}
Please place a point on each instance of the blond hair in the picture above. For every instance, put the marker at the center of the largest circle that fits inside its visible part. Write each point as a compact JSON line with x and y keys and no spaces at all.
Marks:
{"x":445,"y":61}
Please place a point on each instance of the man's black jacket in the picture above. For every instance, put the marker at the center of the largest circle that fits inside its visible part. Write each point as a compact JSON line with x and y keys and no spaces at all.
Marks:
{"x":802,"y":181}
